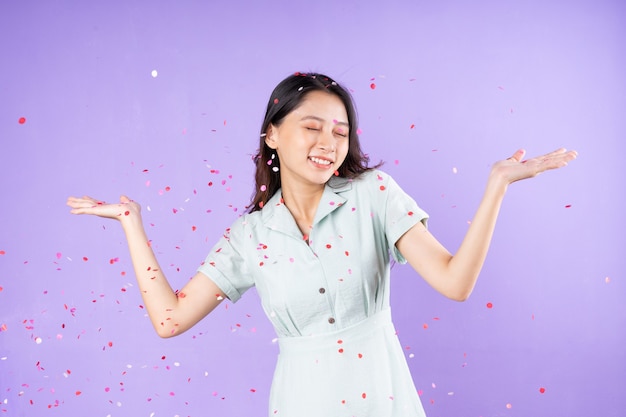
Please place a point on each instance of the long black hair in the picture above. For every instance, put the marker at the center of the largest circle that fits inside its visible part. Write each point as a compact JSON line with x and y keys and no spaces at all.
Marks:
{"x":285,"y":98}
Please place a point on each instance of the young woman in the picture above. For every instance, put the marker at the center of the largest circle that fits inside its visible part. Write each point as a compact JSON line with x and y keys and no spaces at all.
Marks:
{"x":317,"y":243}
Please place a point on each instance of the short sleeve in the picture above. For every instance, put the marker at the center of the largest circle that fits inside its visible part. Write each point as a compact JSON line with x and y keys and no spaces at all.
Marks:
{"x":401,"y":214}
{"x":225,"y":264}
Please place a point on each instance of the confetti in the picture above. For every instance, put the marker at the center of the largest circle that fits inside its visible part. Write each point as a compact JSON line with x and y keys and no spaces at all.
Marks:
{"x":21,"y":120}
{"x":542,"y":390}
{"x":154,"y":73}
{"x":489,"y":305}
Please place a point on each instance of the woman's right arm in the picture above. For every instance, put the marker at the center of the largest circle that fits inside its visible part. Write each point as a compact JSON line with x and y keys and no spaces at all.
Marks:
{"x":171,"y":312}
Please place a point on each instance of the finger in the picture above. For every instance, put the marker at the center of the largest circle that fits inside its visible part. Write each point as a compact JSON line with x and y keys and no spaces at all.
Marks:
{"x":518,"y":155}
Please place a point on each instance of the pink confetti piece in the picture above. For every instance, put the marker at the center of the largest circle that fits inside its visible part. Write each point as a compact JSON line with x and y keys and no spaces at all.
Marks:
{"x":568,"y":206}
{"x":2,"y":252}
{"x":373,"y":86}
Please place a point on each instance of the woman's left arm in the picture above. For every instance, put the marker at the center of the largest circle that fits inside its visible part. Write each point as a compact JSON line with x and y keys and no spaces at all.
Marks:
{"x":454,"y":276}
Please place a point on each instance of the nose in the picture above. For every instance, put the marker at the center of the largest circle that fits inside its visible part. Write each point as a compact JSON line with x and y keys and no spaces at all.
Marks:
{"x":326,"y":142}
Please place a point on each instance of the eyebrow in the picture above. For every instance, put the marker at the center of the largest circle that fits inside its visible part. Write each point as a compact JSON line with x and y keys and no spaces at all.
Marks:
{"x":319,"y":119}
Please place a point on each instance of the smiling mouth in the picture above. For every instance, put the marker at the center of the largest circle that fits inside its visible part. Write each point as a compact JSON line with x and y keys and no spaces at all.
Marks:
{"x":320,"y":161}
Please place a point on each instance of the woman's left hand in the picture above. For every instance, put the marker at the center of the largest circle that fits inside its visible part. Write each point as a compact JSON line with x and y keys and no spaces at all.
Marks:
{"x":516,"y":168}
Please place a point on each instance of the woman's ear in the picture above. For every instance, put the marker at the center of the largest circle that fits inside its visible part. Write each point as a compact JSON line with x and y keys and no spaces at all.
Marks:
{"x":270,"y":137}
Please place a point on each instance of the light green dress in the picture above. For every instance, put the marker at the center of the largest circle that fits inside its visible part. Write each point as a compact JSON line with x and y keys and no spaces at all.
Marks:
{"x":328,"y":298}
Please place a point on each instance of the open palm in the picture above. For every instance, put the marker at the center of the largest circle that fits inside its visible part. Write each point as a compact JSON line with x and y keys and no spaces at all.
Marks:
{"x":516,"y":168}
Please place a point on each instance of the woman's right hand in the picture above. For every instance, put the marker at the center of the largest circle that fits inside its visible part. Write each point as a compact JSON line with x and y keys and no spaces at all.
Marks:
{"x":126,"y":208}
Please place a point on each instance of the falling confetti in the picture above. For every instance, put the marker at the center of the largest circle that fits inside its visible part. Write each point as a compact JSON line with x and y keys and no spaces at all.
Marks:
{"x":21,"y":120}
{"x":154,"y":73}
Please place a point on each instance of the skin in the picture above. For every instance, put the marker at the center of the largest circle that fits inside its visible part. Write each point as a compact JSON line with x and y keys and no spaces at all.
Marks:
{"x":317,"y":131}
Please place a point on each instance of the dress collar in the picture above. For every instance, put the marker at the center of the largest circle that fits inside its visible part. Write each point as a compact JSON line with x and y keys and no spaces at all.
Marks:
{"x":276,"y":215}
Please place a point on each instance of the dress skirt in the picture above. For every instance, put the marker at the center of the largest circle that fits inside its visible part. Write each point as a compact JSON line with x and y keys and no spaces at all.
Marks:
{"x":359,"y":371}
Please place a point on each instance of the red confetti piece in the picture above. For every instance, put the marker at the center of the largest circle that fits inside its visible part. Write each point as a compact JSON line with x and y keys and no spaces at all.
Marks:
{"x":110,"y":344}
{"x":360,"y":355}
{"x":373,"y":86}
{"x":340,"y":350}
{"x":193,"y":228}
{"x":275,"y":101}
{"x":85,"y":258}
{"x":410,"y":213}
{"x":542,"y":390}
{"x":568,"y":206}
{"x":364,"y":395}
{"x":489,"y":305}
{"x":382,"y":188}
{"x":328,"y":246}
{"x":2,"y":252}
{"x":78,"y":392}
{"x":21,"y":120}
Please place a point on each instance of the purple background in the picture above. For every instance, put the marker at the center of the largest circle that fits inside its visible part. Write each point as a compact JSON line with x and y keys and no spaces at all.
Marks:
{"x":458,"y":85}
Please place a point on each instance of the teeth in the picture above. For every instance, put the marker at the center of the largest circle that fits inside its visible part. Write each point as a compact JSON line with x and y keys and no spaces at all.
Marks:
{"x":320,"y":161}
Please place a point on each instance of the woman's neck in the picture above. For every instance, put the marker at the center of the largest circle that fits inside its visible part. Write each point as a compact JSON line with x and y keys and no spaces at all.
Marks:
{"x":302,"y":202}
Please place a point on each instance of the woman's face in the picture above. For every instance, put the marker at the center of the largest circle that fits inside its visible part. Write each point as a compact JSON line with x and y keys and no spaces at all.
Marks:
{"x":312,"y":141}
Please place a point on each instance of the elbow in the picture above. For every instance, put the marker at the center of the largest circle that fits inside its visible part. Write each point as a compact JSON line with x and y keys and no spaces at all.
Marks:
{"x":459,"y":296}
{"x":166,"y":332}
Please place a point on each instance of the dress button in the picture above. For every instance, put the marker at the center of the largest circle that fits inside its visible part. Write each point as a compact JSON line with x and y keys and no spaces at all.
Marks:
{"x":322,"y":290}
{"x":331,"y":320}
